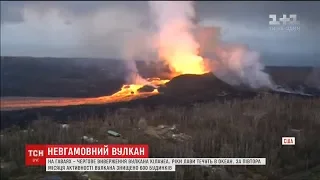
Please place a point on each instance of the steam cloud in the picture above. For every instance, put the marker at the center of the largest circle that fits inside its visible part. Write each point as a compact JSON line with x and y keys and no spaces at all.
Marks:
{"x":133,"y":76}
{"x":173,"y":38}
{"x":234,"y":64}
{"x":136,"y":48}
{"x":313,"y":78}
{"x":238,"y":65}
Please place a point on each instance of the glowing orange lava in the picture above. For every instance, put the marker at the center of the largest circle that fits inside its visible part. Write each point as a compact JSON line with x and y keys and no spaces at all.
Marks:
{"x":181,"y":64}
{"x":187,"y":63}
{"x":127,"y":93}
{"x":179,"y":51}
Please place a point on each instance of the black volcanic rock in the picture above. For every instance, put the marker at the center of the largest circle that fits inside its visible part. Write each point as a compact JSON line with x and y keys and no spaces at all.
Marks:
{"x":146,"y":88}
{"x":190,"y":84}
{"x":207,"y":87}
{"x":60,"y":77}
{"x":184,"y":90}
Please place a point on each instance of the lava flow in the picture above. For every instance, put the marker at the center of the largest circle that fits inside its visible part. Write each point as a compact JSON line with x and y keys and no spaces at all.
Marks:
{"x":176,"y":47}
{"x":127,"y":93}
{"x":131,"y":92}
{"x":181,"y":61}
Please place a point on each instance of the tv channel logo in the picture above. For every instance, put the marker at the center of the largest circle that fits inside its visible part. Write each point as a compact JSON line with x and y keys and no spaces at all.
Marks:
{"x":285,"y":23}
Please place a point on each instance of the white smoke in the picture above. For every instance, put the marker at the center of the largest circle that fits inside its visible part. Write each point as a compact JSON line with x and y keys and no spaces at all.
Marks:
{"x":133,"y":76}
{"x":234,"y":64}
{"x":313,"y":80}
{"x":138,"y":47}
{"x":238,"y":65}
{"x":173,"y":38}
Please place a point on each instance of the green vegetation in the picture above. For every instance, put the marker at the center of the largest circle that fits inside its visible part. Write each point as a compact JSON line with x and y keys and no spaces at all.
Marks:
{"x":248,"y":128}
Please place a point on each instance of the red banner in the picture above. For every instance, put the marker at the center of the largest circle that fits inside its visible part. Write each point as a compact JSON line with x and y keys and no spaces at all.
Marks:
{"x":35,"y":154}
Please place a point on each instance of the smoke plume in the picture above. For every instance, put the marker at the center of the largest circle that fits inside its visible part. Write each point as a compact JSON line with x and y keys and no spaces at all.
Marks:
{"x":177,"y":46}
{"x":313,"y":78}
{"x":238,"y":65}
{"x":173,"y":37}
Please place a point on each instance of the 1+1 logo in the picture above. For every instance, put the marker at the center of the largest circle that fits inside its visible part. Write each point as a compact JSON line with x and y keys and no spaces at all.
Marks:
{"x":285,"y":23}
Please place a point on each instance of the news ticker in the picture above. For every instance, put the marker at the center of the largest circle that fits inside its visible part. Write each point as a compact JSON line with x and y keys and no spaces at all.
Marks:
{"x":116,"y":157}
{"x":142,"y":164}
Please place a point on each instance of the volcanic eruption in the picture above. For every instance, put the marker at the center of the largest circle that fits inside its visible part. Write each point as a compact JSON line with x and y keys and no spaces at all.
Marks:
{"x":175,"y":45}
{"x":174,"y":41}
{"x":185,"y":48}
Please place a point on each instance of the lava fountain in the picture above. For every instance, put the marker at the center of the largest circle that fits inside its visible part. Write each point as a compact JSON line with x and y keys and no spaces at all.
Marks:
{"x":174,"y":43}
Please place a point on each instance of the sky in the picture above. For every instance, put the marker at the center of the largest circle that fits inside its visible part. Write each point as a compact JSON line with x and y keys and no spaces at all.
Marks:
{"x":102,"y":29}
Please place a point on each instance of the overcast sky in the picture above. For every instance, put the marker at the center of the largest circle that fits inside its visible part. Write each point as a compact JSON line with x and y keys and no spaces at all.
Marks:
{"x":100,"y":29}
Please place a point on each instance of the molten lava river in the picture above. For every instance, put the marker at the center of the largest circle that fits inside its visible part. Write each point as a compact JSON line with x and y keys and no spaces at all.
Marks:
{"x":127,"y":93}
{"x":180,"y":62}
